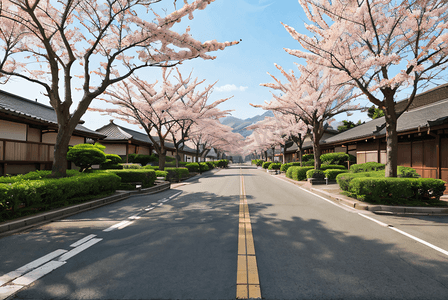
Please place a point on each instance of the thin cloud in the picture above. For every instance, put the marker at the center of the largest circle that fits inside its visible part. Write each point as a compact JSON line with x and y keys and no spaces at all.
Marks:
{"x":230,"y":88}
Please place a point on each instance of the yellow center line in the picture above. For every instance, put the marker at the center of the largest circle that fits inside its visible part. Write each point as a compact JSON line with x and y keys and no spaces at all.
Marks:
{"x":247,"y":281}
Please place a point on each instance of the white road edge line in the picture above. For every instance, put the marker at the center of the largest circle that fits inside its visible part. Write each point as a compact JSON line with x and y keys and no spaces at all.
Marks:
{"x":117,"y":226}
{"x":28,"y":267}
{"x":374,"y":220}
{"x":175,"y":195}
{"x":32,"y":276}
{"x":8,"y":290}
{"x":78,"y":249}
{"x":420,"y":241}
{"x":83,"y":240}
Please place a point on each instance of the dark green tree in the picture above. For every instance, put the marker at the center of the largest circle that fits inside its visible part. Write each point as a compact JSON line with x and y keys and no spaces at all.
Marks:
{"x":86,"y":155}
{"x":374,"y":112}
{"x":347,"y":125}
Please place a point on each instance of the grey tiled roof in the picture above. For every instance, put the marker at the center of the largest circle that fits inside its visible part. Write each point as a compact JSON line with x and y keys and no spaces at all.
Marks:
{"x":32,"y":110}
{"x":410,"y":120}
{"x":116,"y":132}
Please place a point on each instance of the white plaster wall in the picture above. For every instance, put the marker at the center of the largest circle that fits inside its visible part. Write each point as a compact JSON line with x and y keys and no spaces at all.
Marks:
{"x":119,"y":149}
{"x":12,"y":130}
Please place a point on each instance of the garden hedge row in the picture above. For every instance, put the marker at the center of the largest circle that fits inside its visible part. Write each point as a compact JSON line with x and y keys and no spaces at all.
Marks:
{"x":275,"y":166}
{"x":392,"y":190}
{"x":48,"y":192}
{"x":297,"y":173}
{"x":146,"y":176}
{"x":266,"y":164}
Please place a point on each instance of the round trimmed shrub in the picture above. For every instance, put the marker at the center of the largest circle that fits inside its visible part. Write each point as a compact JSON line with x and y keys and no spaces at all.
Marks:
{"x":86,"y":155}
{"x":315,"y":174}
{"x":266,"y":164}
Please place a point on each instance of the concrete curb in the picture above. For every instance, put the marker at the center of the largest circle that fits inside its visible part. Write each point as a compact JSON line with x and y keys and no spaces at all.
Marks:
{"x":45,"y":217}
{"x":377,"y":209}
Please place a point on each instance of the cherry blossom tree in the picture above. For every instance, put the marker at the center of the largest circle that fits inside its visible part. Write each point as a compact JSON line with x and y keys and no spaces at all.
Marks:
{"x":156,"y":110}
{"x":382,"y":47}
{"x":90,"y":44}
{"x":210,"y":133}
{"x":315,"y":97}
{"x":194,"y":106}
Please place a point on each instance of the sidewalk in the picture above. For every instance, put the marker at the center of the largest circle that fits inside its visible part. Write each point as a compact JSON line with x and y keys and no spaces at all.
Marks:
{"x":332,"y":192}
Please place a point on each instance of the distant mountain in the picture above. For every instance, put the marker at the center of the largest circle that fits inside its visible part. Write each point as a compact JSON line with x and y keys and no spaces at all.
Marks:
{"x":239,"y":125}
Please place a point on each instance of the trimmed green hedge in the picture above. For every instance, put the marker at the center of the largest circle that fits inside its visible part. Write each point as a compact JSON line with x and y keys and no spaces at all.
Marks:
{"x":345,"y":178}
{"x":285,"y":167}
{"x":35,"y":175}
{"x":146,"y":176}
{"x":161,"y":174}
{"x":315,"y":173}
{"x":192,"y":167}
{"x":332,"y":173}
{"x":396,"y":190}
{"x":367,"y":167}
{"x":45,"y":193}
{"x":266,"y":164}
{"x":297,"y":173}
{"x":336,"y":158}
{"x":176,"y":174}
{"x":257,"y":162}
{"x":307,"y":157}
{"x":204,"y":167}
{"x":333,"y":167}
{"x":274,"y":166}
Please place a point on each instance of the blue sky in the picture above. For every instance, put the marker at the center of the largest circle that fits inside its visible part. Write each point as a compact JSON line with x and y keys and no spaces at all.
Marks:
{"x":239,"y":69}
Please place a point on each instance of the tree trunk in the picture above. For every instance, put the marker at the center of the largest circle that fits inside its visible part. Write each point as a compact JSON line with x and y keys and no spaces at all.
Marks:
{"x":284,"y":154}
{"x":273,"y":154}
{"x":391,"y":144}
{"x":177,"y":157}
{"x":162,"y":159}
{"x":316,"y":150}
{"x":59,"y":168}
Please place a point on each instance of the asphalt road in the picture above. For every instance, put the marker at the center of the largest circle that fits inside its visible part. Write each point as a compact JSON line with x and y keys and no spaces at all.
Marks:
{"x":183,"y":244}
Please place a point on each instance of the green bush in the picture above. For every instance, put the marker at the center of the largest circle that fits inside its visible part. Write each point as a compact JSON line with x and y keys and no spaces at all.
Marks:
{"x":47,"y":193}
{"x":332,"y":173}
{"x":131,"y":166}
{"x":407,"y":172}
{"x":297,"y":173}
{"x":203,"y":167}
{"x":86,"y":155}
{"x":285,"y":167}
{"x":367,"y":167}
{"x":315,"y":174}
{"x":307,"y":157}
{"x":151,"y":167}
{"x":145,"y":176}
{"x":334,"y":167}
{"x":192,"y":167}
{"x":161,"y":174}
{"x":266,"y":164}
{"x":275,"y":166}
{"x":257,"y":162}
{"x":142,"y":159}
{"x":396,"y":190}
{"x":344,"y":179}
{"x":35,"y":175}
{"x":308,"y":163}
{"x":112,"y":162}
{"x":210,"y":165}
{"x":176,"y":174}
{"x":222,"y":163}
{"x":336,"y":158}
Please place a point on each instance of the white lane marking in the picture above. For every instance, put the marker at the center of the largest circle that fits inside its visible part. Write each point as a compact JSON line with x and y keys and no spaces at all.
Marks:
{"x":118,"y":226}
{"x":38,"y":273}
{"x":135,"y":217}
{"x":149,"y":208}
{"x":175,"y":195}
{"x":125,"y":224}
{"x":83,"y":240}
{"x":374,"y":220}
{"x":8,"y":290}
{"x":32,"y":265}
{"x":420,"y":241}
{"x":162,"y":200}
{"x":78,"y":249}
{"x":160,"y":204}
